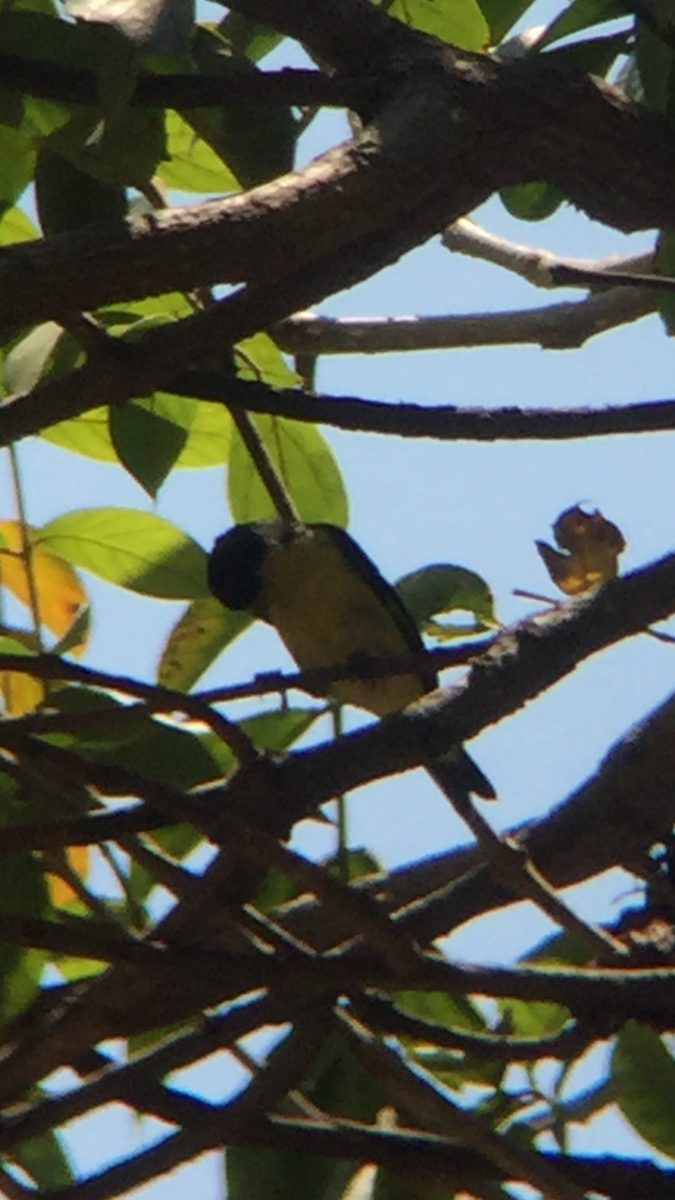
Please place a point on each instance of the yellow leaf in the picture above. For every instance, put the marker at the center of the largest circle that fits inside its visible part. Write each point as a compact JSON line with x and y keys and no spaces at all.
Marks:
{"x":589,"y":551}
{"x":21,"y":693}
{"x":61,"y":892}
{"x":59,"y":590}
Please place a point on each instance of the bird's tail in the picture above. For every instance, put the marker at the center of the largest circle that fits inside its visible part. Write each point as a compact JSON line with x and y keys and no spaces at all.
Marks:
{"x":457,"y":773}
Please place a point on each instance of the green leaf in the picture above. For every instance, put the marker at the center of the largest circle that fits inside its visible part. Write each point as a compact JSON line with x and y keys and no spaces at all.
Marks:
{"x":256,"y":143}
{"x":565,"y":948}
{"x":191,"y":164}
{"x":306,"y":465}
{"x":196,"y":640}
{"x":656,"y":64}
{"x":359,"y":862}
{"x":455,"y":1069}
{"x":392,"y":1186}
{"x":582,"y":14}
{"x":45,"y":1160}
{"x":68,"y":198}
{"x":274,"y":730}
{"x":10,"y":645}
{"x":17,"y":163}
{"x":534,"y":1018}
{"x":138,"y":551}
{"x":149,"y":435}
{"x":593,"y":56}
{"x":132,"y":738}
{"x":459,"y":22}
{"x":259,"y":358}
{"x":116,"y":142}
{"x":88,"y":435}
{"x":644,"y":1072}
{"x":23,"y":893}
{"x":248,"y":39}
{"x":15,"y":226}
{"x":442,"y":588}
{"x":29,"y":358}
{"x":209,"y":437}
{"x":532,"y":201}
{"x":453,"y":1012}
{"x":283,"y":1175}
{"x":501,"y":15}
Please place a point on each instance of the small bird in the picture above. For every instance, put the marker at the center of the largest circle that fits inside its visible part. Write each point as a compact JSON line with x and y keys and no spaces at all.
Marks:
{"x":331,"y":607}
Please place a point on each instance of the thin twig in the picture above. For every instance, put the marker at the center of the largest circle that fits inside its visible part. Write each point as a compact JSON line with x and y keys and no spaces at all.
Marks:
{"x":156,"y":697}
{"x":422,"y":1097}
{"x":466,"y":237}
{"x":269,"y":475}
{"x":512,"y":866}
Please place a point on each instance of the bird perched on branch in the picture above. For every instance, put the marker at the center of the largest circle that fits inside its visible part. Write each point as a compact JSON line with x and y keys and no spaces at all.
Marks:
{"x":331,"y":607}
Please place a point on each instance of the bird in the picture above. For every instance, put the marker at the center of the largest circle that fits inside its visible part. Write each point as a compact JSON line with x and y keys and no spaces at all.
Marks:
{"x":331,"y":607}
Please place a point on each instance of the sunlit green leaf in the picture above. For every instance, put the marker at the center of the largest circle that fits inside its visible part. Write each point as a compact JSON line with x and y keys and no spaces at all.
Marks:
{"x":190,"y":164}
{"x":532,"y":1018}
{"x":259,"y":358}
{"x":15,"y":226}
{"x":306,"y":465}
{"x":136,"y":550}
{"x":460,"y":22}
{"x":88,"y":435}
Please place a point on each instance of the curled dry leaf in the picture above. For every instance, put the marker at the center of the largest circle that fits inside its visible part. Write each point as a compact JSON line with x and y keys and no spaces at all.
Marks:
{"x":590,"y":546}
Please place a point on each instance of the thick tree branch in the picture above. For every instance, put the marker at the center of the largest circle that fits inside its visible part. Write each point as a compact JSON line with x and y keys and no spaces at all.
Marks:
{"x":497,"y":124}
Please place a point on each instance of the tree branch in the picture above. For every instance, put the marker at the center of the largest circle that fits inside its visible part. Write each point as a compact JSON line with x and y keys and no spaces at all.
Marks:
{"x":443,"y":422}
{"x":499,"y":123}
{"x":562,"y":326}
{"x":290,"y":86}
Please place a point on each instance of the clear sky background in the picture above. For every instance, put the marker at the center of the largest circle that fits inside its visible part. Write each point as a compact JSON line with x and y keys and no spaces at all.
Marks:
{"x":417,"y":502}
